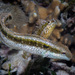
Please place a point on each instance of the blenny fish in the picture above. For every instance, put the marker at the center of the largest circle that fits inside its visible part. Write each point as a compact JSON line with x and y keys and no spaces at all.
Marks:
{"x":46,"y":29}
{"x":32,"y":43}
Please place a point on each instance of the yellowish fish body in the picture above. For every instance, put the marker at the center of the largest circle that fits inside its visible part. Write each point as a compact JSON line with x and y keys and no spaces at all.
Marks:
{"x":48,"y":29}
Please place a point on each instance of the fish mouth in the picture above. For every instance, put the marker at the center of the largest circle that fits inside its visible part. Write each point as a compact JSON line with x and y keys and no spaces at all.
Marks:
{"x":69,"y":55}
{"x":58,"y":56}
{"x":63,"y":57}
